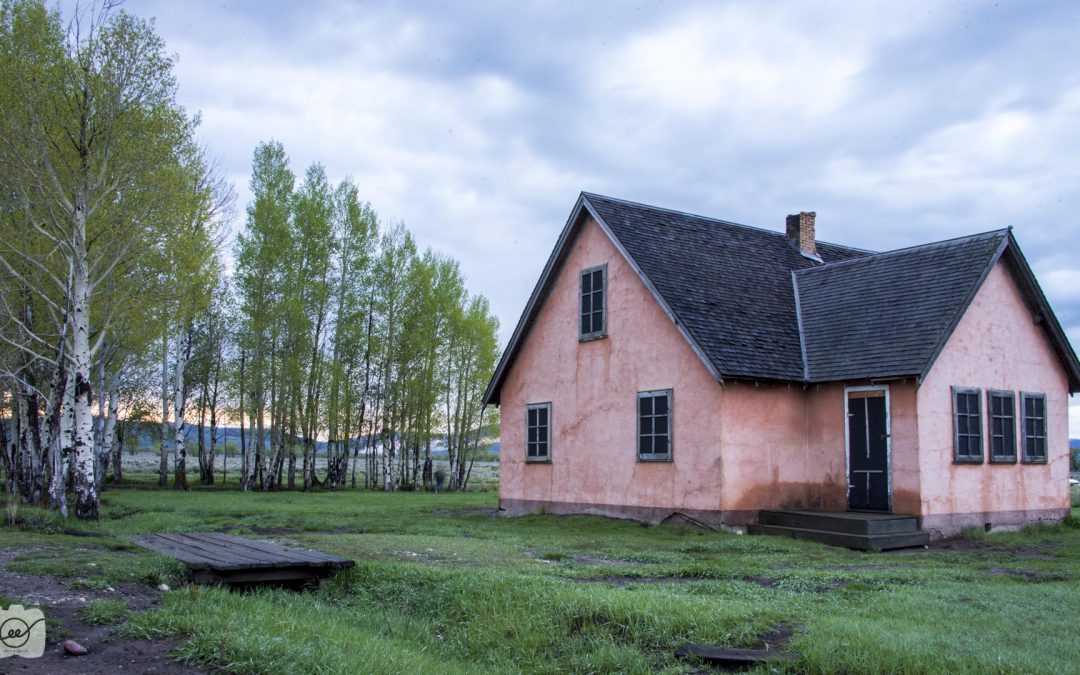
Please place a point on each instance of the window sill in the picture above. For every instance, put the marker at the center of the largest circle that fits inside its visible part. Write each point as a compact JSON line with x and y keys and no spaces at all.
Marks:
{"x":655,"y":460}
{"x":590,"y":338}
{"x":1038,"y":460}
{"x":1003,"y":460}
{"x":963,"y":460}
{"x":538,"y":461}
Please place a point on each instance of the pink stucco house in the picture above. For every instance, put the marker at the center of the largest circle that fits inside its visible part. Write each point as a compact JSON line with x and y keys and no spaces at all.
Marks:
{"x":671,"y":364}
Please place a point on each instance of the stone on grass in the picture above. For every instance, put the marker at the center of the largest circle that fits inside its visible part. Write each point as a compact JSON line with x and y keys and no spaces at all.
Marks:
{"x":74,"y":648}
{"x":163,"y":587}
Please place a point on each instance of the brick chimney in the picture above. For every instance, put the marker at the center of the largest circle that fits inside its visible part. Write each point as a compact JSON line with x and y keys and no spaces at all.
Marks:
{"x":800,"y":232}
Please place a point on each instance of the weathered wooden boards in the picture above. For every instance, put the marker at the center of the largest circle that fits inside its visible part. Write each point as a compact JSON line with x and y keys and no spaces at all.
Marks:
{"x":729,"y":657}
{"x":216,"y":558}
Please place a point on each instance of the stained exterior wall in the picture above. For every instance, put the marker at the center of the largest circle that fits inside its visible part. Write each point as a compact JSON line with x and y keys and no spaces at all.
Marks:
{"x":996,"y":345}
{"x":592,"y":387}
{"x":742,"y":447}
{"x":736,"y":449}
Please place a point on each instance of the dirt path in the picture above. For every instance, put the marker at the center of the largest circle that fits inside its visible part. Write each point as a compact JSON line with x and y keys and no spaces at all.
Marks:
{"x":108,"y":654}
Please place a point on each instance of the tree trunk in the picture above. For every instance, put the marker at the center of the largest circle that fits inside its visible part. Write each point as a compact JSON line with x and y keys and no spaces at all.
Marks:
{"x":163,"y":466}
{"x":183,"y":353}
{"x":86,"y":494}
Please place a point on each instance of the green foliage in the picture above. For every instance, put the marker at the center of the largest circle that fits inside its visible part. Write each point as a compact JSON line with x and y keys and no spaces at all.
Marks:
{"x":104,"y":611}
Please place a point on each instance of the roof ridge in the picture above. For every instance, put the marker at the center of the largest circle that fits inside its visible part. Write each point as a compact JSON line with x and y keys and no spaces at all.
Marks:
{"x":907,"y":249}
{"x":715,"y":220}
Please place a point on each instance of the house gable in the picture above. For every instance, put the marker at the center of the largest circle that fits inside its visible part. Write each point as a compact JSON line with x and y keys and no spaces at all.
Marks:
{"x":591,"y":389}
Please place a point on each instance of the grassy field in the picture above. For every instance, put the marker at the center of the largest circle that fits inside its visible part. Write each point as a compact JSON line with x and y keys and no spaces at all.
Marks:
{"x":441,"y":587}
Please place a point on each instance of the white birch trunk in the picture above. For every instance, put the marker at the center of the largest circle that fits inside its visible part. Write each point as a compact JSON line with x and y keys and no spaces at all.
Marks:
{"x":163,"y":465}
{"x":183,"y":352}
{"x":108,"y":433}
{"x":86,"y":494}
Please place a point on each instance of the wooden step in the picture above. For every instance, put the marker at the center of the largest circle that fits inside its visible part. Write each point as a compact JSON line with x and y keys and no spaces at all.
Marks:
{"x":861,"y":542}
{"x":850,"y":522}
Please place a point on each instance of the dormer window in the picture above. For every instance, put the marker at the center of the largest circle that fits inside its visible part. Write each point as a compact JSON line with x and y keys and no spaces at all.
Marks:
{"x":593,"y":322}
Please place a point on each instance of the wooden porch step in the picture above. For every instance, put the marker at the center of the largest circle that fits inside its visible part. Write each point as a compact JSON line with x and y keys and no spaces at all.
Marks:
{"x":861,"y":542}
{"x":850,"y":522}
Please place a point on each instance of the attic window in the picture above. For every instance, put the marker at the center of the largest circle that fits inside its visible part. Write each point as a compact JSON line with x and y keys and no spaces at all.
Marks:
{"x":1033,"y":425}
{"x":593,"y":322}
{"x":967,"y":426}
{"x":1002,"y":406}
{"x":654,"y":426}
{"x":538,"y":432}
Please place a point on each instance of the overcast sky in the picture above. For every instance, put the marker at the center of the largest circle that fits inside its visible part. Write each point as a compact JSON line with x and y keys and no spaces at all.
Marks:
{"x":477,"y":124}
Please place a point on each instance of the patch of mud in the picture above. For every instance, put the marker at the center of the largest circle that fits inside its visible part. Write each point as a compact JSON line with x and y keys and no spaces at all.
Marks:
{"x":764,"y":582}
{"x":871,"y":566}
{"x":293,"y":530}
{"x":1038,"y":552}
{"x":606,"y":562}
{"x":419,"y":557}
{"x":1030,"y":575}
{"x":491,"y":513}
{"x":777,"y":638}
{"x":631,"y":581}
{"x":61,"y":606}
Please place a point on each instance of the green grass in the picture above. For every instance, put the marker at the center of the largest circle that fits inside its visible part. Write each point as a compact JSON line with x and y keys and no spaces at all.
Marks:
{"x":103,"y":611}
{"x":470,"y":593}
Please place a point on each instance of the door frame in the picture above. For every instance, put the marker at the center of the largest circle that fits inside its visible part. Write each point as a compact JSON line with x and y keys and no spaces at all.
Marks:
{"x":888,"y":440}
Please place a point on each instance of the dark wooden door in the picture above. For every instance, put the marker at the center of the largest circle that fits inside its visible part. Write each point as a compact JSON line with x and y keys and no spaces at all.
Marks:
{"x":868,"y":448}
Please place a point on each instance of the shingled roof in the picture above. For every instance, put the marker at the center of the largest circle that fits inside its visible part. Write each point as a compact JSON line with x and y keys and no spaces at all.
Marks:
{"x":884,"y":315}
{"x":753,"y":307}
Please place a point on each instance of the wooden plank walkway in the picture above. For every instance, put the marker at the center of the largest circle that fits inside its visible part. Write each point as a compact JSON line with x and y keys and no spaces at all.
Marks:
{"x":216,"y":558}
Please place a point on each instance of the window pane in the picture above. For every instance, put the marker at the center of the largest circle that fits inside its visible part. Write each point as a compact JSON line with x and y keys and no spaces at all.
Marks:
{"x":645,"y":445}
{"x":532,"y":449}
{"x":531,"y":414}
{"x":660,"y":445}
{"x":586,"y":303}
{"x":645,"y":405}
{"x":962,"y":424}
{"x":541,"y":416}
{"x":541,"y":434}
{"x":961,"y":404}
{"x":646,"y":425}
{"x":660,"y":407}
{"x":586,"y":283}
{"x":532,"y":434}
{"x":597,"y":321}
{"x":598,"y":280}
{"x":660,"y":424}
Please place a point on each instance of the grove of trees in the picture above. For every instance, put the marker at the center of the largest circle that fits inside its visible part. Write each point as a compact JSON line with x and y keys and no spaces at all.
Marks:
{"x":122,"y":296}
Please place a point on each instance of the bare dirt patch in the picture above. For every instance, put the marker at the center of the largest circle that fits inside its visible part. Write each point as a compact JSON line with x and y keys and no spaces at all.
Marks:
{"x":632,"y":580}
{"x":109,"y":653}
{"x":1030,"y":575}
{"x":491,"y":513}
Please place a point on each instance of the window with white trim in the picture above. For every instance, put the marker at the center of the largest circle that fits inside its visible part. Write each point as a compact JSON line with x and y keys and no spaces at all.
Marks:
{"x":1001,"y":406}
{"x":593,"y":319}
{"x":1033,"y":427}
{"x":654,"y":425}
{"x":538,"y":432}
{"x":967,"y":425}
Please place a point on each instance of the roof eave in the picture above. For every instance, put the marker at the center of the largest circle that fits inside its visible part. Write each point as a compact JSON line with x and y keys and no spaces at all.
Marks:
{"x":705,"y":360}
{"x":1049,"y":320}
{"x":492,"y":395}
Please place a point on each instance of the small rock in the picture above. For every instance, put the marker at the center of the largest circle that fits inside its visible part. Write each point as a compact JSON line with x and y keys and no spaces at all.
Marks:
{"x":91,"y":564}
{"x":163,"y":587}
{"x":110,"y":589}
{"x":74,"y":648}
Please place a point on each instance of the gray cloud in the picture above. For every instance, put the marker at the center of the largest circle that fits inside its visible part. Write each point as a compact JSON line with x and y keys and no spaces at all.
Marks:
{"x":478,"y":123}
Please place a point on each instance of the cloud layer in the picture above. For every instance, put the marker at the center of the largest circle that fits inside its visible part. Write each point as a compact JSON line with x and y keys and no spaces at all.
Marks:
{"x":478,"y":123}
